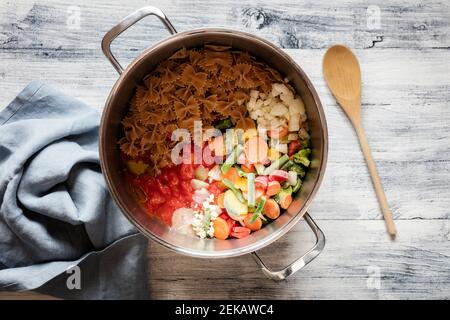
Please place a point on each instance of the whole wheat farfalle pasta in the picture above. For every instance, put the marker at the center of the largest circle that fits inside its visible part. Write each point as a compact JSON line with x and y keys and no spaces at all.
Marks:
{"x":209,"y":83}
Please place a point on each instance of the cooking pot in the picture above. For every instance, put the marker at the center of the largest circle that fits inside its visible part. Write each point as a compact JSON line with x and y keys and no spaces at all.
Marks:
{"x":116,"y":108}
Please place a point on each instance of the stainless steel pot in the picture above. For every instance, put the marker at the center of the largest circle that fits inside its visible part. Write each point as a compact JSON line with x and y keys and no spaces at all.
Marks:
{"x":117,"y":105}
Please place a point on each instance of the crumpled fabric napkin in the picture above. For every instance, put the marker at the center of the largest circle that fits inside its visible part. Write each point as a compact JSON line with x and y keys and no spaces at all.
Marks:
{"x":60,"y":231}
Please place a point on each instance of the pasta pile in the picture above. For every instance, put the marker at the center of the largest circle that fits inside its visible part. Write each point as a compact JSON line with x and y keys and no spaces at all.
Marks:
{"x":207,"y":84}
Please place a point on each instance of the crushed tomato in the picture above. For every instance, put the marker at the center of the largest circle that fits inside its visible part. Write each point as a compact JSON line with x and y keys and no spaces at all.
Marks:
{"x":166,"y":192}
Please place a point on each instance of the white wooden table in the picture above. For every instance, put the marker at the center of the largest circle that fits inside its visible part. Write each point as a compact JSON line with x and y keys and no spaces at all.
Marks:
{"x":405,"y":61}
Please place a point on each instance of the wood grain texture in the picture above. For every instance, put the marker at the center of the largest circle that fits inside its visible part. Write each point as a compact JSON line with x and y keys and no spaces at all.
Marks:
{"x":413,"y":267}
{"x":406,"y":94}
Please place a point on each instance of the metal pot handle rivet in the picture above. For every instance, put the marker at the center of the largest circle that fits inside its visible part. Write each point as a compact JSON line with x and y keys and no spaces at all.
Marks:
{"x":301,"y":262}
{"x":127,"y":22}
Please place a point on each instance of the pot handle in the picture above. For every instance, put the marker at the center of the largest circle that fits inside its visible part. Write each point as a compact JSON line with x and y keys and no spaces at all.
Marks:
{"x":301,"y":262}
{"x":127,"y":22}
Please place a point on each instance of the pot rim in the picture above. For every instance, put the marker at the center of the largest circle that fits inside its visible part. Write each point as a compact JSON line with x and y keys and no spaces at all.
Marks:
{"x":272,"y":236}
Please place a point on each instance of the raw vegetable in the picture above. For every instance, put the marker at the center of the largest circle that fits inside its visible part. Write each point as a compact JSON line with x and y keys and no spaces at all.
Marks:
{"x":253,"y":226}
{"x":297,"y":107}
{"x":284,"y":197}
{"x":258,"y":210}
{"x":232,"y":158}
{"x":251,"y":189}
{"x":198,"y":184}
{"x":302,"y":157}
{"x":294,"y":146}
{"x":220,"y":200}
{"x":297,"y":168}
{"x":273,"y":188}
{"x":201,"y":173}
{"x":287,"y":165}
{"x":248,"y":168}
{"x":305,"y":143}
{"x":271,"y":209}
{"x":278,"y":175}
{"x":224,"y":124}
{"x":137,"y":167}
{"x":235,"y":208}
{"x":215,"y":173}
{"x":279,"y":110}
{"x":221,"y":228}
{"x":276,"y":164}
{"x":278,"y":132}
{"x":240,"y":232}
{"x":260,"y":168}
{"x":240,"y":172}
{"x":241,"y":184}
{"x":294,"y":122}
{"x":297,"y":186}
{"x":292,"y":178}
{"x":273,"y":154}
{"x":262,"y":181}
{"x":233,"y":189}
{"x":259,"y":192}
{"x":286,"y":201}
{"x":282,"y":147}
{"x":231,"y":175}
{"x":182,"y":219}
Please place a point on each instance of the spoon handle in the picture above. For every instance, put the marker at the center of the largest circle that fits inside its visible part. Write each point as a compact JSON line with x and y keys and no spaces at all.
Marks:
{"x":387,"y":214}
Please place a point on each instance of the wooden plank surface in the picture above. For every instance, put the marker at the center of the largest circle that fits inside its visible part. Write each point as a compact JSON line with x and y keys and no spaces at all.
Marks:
{"x":406,"y":66}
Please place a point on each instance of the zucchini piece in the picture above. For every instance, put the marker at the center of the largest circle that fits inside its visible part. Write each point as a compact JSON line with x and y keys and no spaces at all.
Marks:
{"x":236,"y":192}
{"x":297,"y":186}
{"x":232,"y":158}
{"x":258,"y":210}
{"x":276,"y":164}
{"x":287,"y":165}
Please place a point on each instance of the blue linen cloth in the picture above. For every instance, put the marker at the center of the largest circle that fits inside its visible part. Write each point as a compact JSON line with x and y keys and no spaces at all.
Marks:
{"x":55,"y":210}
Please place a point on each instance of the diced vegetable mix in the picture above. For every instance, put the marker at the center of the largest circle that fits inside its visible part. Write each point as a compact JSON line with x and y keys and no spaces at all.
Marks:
{"x":255,"y":182}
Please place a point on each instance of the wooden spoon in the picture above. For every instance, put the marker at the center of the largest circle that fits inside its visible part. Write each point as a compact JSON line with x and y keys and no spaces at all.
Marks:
{"x":343,"y":76}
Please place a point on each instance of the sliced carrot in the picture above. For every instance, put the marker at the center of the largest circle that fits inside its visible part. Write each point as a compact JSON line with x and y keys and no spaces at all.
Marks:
{"x":255,"y":226}
{"x":248,"y":168}
{"x":220,"y":200}
{"x":256,"y":150}
{"x":232,"y":175}
{"x":221,"y":229}
{"x":271,"y":209}
{"x":279,"y":132}
{"x":286,"y":201}
{"x":273,"y":188}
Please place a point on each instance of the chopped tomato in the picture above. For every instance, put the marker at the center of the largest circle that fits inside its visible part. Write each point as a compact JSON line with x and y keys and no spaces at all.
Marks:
{"x":163,"y":188}
{"x":186,"y":171}
{"x":156,"y":198}
{"x":224,"y":216}
{"x":165,"y":212}
{"x":186,"y":188}
{"x":215,"y":188}
{"x":171,"y":178}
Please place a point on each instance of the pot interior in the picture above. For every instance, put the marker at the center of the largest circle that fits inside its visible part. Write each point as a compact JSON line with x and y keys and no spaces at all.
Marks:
{"x":117,"y":107}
